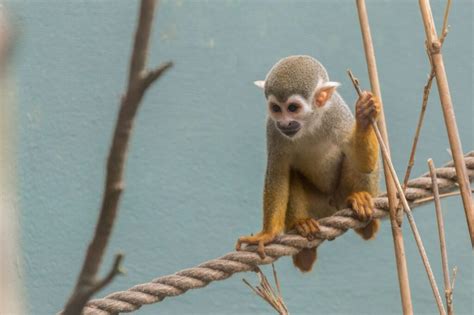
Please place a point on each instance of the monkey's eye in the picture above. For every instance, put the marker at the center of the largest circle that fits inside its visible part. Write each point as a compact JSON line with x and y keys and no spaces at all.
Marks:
{"x":293,"y":107}
{"x":275,"y":108}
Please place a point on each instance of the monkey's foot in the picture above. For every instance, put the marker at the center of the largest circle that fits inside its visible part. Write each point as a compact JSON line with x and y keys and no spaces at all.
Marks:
{"x":260,"y":239}
{"x":362,"y":204}
{"x":307,"y":228}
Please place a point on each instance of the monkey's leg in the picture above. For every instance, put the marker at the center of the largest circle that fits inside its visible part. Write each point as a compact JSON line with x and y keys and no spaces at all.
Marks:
{"x":359,"y":176}
{"x":299,"y":217}
{"x":362,"y":204}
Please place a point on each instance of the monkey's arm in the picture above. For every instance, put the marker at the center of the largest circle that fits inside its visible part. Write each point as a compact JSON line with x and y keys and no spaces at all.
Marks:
{"x":275,"y":195}
{"x":275,"y":198}
{"x":363,"y":145}
{"x":359,"y":174}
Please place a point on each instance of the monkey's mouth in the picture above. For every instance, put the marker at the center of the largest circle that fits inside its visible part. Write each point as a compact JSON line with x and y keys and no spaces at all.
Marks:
{"x":290,"y":132}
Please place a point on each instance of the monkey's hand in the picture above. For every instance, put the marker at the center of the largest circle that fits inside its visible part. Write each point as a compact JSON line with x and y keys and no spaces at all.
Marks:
{"x":307,"y":228}
{"x":362,"y":204}
{"x":367,"y":108}
{"x":260,"y":239}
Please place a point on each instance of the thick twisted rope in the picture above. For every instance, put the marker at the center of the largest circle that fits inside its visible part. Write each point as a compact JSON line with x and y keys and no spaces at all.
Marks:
{"x":418,"y":191}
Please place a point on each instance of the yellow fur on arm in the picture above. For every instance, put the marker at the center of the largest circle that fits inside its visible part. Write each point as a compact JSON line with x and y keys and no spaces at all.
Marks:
{"x":364,"y":149}
{"x":275,"y":200}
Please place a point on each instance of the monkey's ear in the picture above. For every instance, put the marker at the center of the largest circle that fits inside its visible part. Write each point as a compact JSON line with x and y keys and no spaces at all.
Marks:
{"x":260,"y":84}
{"x":323,"y":93}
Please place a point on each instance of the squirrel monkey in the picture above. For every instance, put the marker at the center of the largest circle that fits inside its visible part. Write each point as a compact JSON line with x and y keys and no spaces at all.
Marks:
{"x":320,"y":159}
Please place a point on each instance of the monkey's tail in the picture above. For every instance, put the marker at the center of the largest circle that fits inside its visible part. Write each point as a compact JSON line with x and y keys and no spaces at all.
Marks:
{"x":305,"y":259}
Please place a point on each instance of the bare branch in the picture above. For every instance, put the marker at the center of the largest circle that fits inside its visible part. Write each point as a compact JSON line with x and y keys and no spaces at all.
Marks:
{"x":445,"y":195}
{"x":152,"y":75}
{"x":453,"y":277}
{"x":426,"y":93}
{"x":87,"y":284}
{"x":114,"y":271}
{"x":445,"y":28}
{"x":267,"y":293}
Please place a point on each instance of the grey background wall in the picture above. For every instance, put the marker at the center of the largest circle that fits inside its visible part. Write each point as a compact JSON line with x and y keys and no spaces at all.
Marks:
{"x":197,"y":159}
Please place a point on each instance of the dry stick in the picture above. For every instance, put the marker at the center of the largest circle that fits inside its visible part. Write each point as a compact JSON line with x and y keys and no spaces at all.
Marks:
{"x":267,"y":293}
{"x":442,"y":239}
{"x":402,"y":269}
{"x":139,"y":80}
{"x":426,"y":93}
{"x":406,"y":207}
{"x":450,"y":194}
{"x":434,"y":47}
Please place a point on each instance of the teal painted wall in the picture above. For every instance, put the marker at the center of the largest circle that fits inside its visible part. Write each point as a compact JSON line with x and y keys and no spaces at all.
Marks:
{"x":196,"y":165}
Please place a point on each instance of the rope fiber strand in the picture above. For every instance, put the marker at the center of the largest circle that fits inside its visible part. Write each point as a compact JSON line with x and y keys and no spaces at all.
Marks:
{"x":417,"y":193}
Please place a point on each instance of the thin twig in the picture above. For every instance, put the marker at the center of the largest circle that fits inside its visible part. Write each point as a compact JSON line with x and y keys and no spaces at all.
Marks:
{"x":421,"y":117}
{"x":449,"y":194}
{"x":445,"y":28}
{"x":426,"y":93}
{"x":442,"y":238}
{"x":139,"y":80}
{"x":399,"y":246}
{"x":434,"y":47}
{"x":411,"y":220}
{"x":267,"y":293}
{"x":453,"y":277}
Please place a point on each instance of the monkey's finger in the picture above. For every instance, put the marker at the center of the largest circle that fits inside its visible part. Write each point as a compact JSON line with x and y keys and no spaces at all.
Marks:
{"x":370,"y":200}
{"x":246,"y":240}
{"x":367,"y":111}
{"x":314,"y":226}
{"x":368,"y":212}
{"x":365,"y":95}
{"x":307,"y":227}
{"x":304,"y":230}
{"x":299,"y":229}
{"x":362,"y":210}
{"x":355,"y":207}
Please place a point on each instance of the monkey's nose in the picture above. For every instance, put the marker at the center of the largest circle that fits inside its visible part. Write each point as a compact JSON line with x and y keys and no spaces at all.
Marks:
{"x":291,"y":125}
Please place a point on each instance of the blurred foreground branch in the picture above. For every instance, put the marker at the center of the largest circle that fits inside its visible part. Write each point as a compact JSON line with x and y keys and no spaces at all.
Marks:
{"x":138,"y":81}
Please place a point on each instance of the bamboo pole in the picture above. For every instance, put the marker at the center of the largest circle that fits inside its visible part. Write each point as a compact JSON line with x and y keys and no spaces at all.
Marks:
{"x":399,"y":246}
{"x":434,"y":47}
{"x":442,"y":238}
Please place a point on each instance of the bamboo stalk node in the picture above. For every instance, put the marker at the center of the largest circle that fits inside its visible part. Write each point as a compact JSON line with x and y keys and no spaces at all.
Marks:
{"x":435,"y":47}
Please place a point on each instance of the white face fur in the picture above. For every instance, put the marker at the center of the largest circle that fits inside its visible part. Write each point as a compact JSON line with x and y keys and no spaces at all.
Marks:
{"x":298,"y":116}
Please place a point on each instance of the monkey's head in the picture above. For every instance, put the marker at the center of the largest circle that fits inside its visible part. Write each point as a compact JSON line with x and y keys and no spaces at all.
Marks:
{"x":298,"y":91}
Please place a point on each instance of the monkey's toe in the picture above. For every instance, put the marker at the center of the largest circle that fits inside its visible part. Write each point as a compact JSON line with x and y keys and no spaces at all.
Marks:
{"x":307,"y":228}
{"x":260,"y":239}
